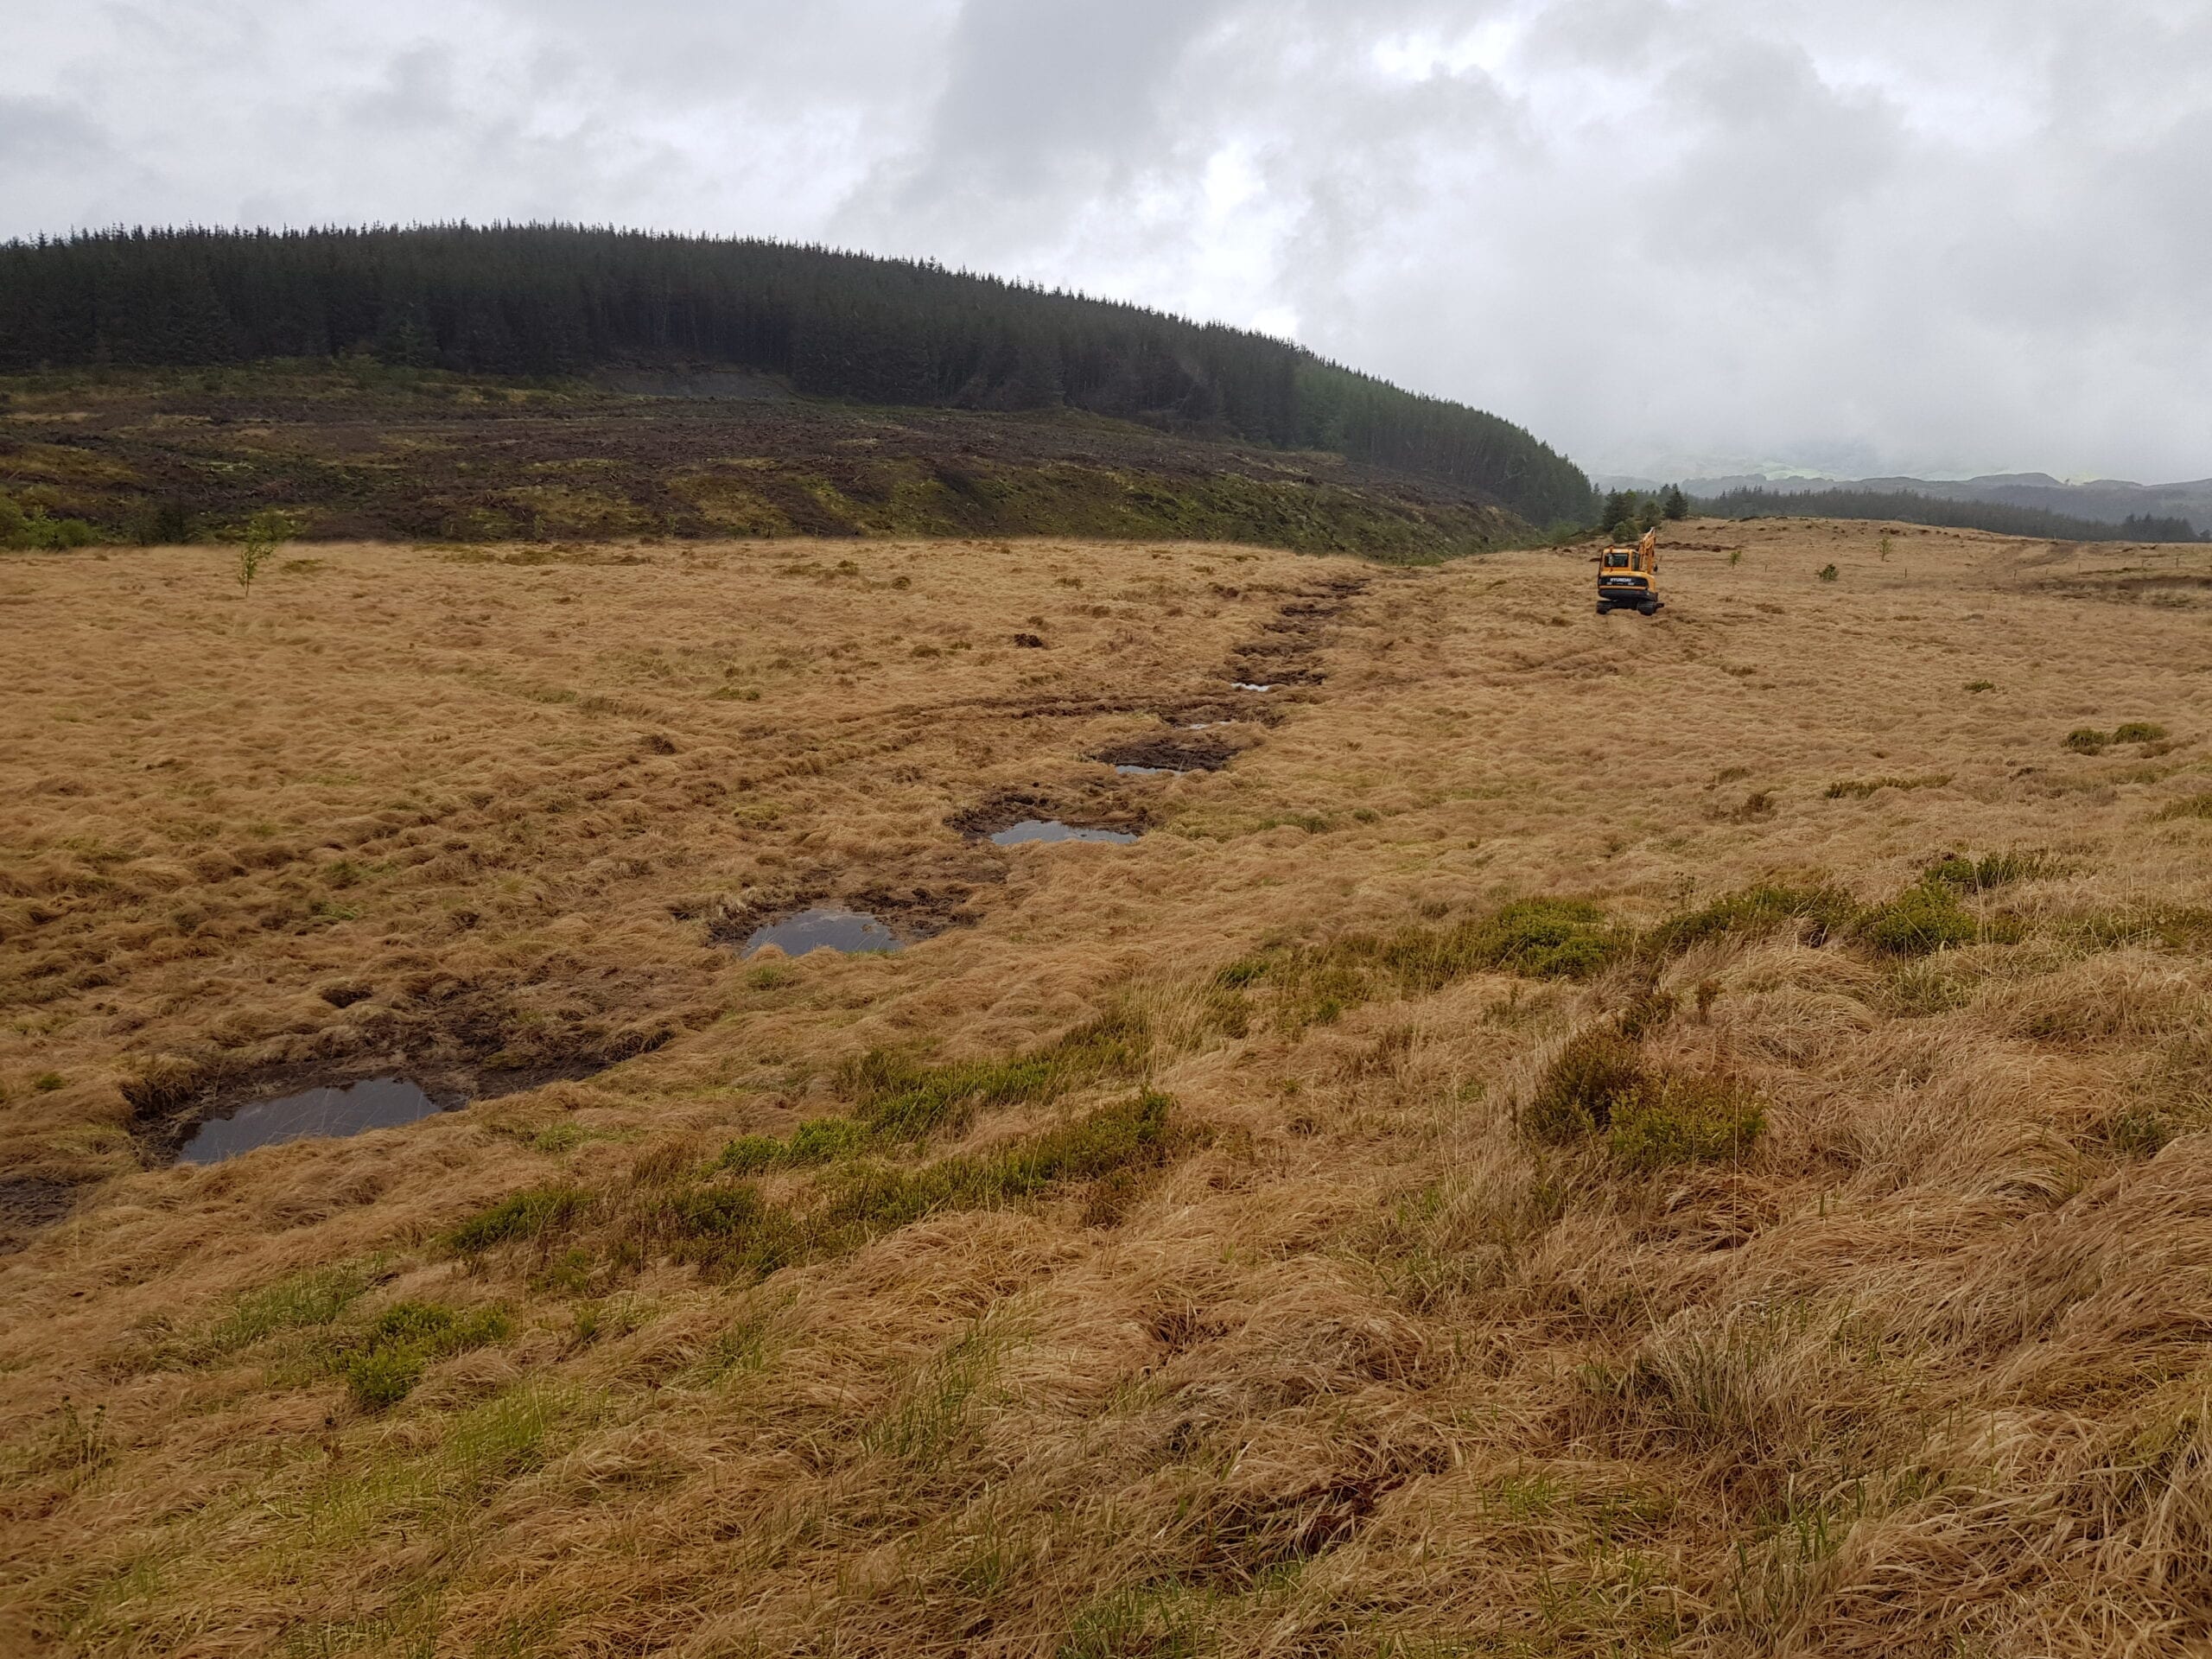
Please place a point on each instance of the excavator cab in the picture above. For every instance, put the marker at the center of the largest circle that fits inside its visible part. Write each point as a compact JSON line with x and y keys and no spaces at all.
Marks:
{"x":1629,"y":576}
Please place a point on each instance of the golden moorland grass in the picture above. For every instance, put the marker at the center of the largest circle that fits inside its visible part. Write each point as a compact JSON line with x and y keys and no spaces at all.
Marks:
{"x":1584,"y":1136}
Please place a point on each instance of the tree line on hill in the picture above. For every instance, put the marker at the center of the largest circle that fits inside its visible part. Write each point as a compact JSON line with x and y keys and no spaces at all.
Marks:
{"x":1628,"y":513}
{"x":550,"y":300}
{"x":1911,"y":507}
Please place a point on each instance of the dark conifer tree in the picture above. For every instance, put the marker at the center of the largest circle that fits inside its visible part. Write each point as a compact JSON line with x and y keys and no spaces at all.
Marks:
{"x":553,"y":300}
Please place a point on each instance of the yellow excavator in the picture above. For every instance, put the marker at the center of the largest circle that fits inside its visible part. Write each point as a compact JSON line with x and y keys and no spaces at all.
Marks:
{"x":1629,"y":576}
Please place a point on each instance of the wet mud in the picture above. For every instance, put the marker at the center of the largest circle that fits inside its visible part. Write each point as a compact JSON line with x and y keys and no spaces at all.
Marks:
{"x":1173,"y":752}
{"x":1075,"y":808}
{"x":1287,"y":653}
{"x":913,"y":900}
{"x":29,"y":1203}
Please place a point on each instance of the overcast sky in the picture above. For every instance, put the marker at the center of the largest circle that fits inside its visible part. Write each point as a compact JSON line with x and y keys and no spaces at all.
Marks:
{"x":1945,"y":235}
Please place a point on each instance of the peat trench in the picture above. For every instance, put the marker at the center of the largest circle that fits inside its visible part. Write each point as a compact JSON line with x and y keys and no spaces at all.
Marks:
{"x":1203,"y":733}
{"x":213,"y":1107}
{"x":409,"y":1048}
{"x":226,"y":1113}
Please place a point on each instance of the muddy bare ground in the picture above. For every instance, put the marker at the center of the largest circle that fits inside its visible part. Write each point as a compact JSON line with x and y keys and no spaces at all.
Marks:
{"x":1239,"y":708}
{"x":917,"y":899}
{"x":1288,"y":651}
{"x":1174,"y":751}
{"x":29,"y":1203}
{"x":1179,"y":710}
{"x":1079,"y":805}
{"x":459,"y":1041}
{"x":496,"y":462}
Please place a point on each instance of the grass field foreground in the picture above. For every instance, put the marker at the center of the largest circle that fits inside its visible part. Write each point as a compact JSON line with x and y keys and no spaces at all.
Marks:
{"x":1563,"y":1135}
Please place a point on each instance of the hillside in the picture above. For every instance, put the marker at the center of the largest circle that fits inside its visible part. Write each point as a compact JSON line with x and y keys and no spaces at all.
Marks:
{"x":561,"y":300}
{"x":1472,"y":1170}
{"x":2109,"y":502}
{"x":362,"y":451}
{"x":1928,"y":505}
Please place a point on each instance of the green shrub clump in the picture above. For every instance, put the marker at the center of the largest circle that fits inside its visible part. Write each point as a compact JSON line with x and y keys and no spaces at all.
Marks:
{"x":384,"y":1362}
{"x":818,"y":1140}
{"x":306,"y":1299}
{"x":1137,"y":1133}
{"x":526,"y":1215}
{"x":1595,"y":1076}
{"x":1862,"y":788}
{"x":1599,"y":1087}
{"x":31,"y":529}
{"x":895,"y":1098}
{"x":2193,"y":806}
{"x":1991,"y":870}
{"x":1921,"y":919}
{"x":1535,"y":938}
{"x":734,"y":1231}
{"x":1686,"y":1120}
{"x":1817,"y":912}
{"x":1547,"y":938}
{"x":2088,"y":739}
{"x":2139,"y":1131}
{"x":2138,"y":731}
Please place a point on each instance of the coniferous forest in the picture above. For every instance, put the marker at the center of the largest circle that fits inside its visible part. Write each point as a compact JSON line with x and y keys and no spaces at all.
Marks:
{"x":542,"y":301}
{"x":1911,"y":508}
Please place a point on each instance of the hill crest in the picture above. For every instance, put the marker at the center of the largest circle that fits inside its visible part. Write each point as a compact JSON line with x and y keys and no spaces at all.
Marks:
{"x":539,"y":300}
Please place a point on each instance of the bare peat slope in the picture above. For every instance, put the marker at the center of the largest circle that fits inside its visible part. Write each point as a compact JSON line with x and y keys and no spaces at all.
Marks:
{"x":359,"y":451}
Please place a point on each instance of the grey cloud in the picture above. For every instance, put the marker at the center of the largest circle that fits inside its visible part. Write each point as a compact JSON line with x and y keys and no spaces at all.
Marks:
{"x":1035,"y":78}
{"x":1887,"y":235}
{"x":417,"y":90}
{"x":43,"y":132}
{"x":1778,"y":157}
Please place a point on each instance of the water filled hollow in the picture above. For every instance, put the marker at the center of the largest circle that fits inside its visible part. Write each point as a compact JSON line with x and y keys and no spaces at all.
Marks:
{"x":1127,"y":771}
{"x":341,"y":1109}
{"x":821,"y":929}
{"x":1053,"y":829}
{"x":1246,"y":685}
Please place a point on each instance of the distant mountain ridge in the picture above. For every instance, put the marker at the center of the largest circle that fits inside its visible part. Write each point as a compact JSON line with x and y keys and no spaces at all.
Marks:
{"x":2104,"y":500}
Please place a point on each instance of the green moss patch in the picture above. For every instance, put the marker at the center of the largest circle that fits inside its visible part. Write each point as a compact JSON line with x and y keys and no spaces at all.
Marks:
{"x":1816,"y":911}
{"x":1991,"y":870}
{"x":526,"y":1216}
{"x":1921,"y":919}
{"x":1533,"y":938}
{"x":384,"y":1361}
{"x":897,"y":1099}
{"x":1600,"y":1089}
